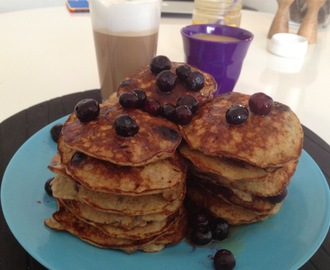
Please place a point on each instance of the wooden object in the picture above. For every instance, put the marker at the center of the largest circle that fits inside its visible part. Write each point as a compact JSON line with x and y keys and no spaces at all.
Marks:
{"x":309,"y":25}
{"x":280,"y":22}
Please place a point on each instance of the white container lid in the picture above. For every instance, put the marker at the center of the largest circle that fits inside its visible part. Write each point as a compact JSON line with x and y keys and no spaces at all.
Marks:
{"x":288,"y":45}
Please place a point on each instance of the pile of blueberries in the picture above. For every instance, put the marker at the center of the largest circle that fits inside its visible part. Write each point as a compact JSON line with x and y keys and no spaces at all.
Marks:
{"x":204,"y":229}
{"x":181,"y":113}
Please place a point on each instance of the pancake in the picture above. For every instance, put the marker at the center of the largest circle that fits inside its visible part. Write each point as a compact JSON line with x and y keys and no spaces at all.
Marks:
{"x":63,"y":187}
{"x":146,"y":80}
{"x":266,"y":189}
{"x":64,"y":220}
{"x":138,"y":232}
{"x":127,"y":222}
{"x":235,"y":196}
{"x":103,"y":176}
{"x":145,"y":231}
{"x":263,"y":141}
{"x":156,"y":139}
{"x":221,"y":208}
{"x":239,"y":175}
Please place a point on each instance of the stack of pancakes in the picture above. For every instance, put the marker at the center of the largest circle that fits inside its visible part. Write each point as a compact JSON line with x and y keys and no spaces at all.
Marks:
{"x":127,"y":193}
{"x":240,"y":172}
{"x":120,"y":192}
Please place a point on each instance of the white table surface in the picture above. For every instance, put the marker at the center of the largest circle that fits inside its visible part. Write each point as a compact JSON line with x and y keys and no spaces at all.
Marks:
{"x":49,"y":52}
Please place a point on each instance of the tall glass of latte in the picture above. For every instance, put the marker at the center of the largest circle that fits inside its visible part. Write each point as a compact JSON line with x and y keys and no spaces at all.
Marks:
{"x":125,"y":37}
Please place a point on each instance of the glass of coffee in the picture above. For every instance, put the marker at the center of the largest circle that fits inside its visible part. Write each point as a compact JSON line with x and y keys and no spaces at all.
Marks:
{"x":125,"y":37}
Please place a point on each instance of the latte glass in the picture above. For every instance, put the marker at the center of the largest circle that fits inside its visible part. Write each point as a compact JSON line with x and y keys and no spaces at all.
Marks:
{"x":125,"y":38}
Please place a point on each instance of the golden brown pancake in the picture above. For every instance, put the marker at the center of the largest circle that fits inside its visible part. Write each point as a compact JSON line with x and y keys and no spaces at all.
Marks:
{"x":146,"y":80}
{"x":148,"y":230}
{"x":100,"y":175}
{"x":139,"y":232}
{"x":264,"y":141}
{"x":221,"y":208}
{"x":156,"y":139}
{"x":269,"y":188}
{"x":127,"y":222}
{"x":65,"y":220}
{"x":63,"y":187}
{"x":239,"y":175}
{"x":235,"y":196}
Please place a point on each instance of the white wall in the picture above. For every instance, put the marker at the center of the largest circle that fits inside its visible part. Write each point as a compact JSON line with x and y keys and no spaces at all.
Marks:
{"x":13,"y":5}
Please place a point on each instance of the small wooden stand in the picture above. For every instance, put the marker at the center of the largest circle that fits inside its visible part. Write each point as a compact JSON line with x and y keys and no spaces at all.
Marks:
{"x":309,"y":25}
{"x":280,"y":22}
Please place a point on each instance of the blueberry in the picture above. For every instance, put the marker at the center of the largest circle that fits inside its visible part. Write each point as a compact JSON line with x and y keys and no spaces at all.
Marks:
{"x":183,"y":72}
{"x":183,"y":115}
{"x":219,"y":228}
{"x":126,"y":126}
{"x":237,"y":114}
{"x":189,"y":101}
{"x":260,"y":103}
{"x":160,"y":63}
{"x":224,"y":260}
{"x":280,"y":197}
{"x":125,"y":83}
{"x":87,"y":110}
{"x":166,"y":81}
{"x":201,"y":236}
{"x":142,"y":97}
{"x":152,"y":106}
{"x":48,"y":187}
{"x":200,"y":220}
{"x":195,"y":81}
{"x":55,"y":132}
{"x":129,"y":100}
{"x":78,"y":158}
{"x":168,"y":112}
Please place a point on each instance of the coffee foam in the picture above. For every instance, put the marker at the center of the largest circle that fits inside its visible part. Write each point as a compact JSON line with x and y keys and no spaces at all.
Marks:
{"x":125,"y":17}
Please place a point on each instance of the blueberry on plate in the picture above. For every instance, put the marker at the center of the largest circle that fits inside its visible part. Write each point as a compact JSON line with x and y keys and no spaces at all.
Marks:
{"x":224,"y":260}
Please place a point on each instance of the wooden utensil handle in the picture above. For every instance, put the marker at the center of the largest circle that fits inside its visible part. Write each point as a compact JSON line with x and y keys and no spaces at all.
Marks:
{"x":280,"y":22}
{"x":309,"y":25}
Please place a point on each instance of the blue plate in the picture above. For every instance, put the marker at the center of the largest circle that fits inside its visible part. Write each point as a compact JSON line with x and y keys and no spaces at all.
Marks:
{"x":285,"y":241}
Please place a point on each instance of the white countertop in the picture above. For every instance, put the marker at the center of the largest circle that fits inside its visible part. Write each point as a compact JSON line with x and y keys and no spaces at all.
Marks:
{"x":49,"y":52}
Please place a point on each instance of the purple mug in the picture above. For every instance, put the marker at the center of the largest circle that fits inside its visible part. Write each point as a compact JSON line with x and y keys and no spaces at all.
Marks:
{"x":222,"y":59}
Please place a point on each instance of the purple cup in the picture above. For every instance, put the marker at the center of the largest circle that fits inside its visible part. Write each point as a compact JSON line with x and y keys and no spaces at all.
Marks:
{"x":223,"y":60}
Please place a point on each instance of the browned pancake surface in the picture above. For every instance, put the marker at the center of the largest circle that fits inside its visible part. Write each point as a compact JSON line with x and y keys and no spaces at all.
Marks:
{"x":264,"y":141}
{"x":100,"y":175}
{"x":146,"y":80}
{"x":156,"y":139}
{"x":239,"y":175}
{"x":127,"y":222}
{"x":235,"y":196}
{"x":65,"y":220}
{"x":232,"y":213}
{"x":64,"y":187}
